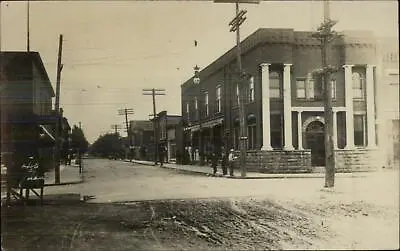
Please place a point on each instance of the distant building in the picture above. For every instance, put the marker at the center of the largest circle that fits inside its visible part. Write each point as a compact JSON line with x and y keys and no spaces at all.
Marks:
{"x":26,"y":110}
{"x":142,"y":133}
{"x":170,"y":134}
{"x":388,"y":109}
{"x":284,"y":104}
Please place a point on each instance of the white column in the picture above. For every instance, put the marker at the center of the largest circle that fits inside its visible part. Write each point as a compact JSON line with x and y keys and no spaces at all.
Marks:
{"x":299,"y":131}
{"x":287,"y":107}
{"x":335,"y":134}
{"x":266,"y":145}
{"x":348,"y":82}
{"x":370,"y":106}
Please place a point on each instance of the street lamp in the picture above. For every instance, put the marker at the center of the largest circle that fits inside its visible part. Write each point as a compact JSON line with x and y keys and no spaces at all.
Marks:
{"x":196,"y":81}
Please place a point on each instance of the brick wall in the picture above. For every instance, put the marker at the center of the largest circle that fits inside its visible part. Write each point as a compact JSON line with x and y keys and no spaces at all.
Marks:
{"x":279,"y":161}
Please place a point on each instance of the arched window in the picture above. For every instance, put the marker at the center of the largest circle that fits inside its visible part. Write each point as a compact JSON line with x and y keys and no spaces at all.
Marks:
{"x":275,"y":85}
{"x":358,"y":86}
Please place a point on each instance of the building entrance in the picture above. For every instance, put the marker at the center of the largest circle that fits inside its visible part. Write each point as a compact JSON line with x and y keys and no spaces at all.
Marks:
{"x":315,"y":142}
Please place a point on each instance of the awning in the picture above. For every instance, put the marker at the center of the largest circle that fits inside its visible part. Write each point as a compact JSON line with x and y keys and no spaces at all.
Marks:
{"x":207,"y":124}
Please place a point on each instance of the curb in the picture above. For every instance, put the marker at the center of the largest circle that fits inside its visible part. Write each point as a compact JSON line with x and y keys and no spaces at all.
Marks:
{"x":64,"y":183}
{"x":142,"y":163}
{"x":278,"y":176}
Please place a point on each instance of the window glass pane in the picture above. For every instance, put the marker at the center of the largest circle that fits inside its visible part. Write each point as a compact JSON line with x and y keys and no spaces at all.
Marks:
{"x":333,"y":83}
{"x":301,"y":93}
{"x":358,"y":122}
{"x":274,"y":93}
{"x":300,"y":88}
{"x":357,"y":93}
{"x":310,"y":88}
{"x":300,"y":84}
{"x":358,"y":85}
{"x":274,"y":83}
{"x":251,"y":89}
{"x":356,"y":80}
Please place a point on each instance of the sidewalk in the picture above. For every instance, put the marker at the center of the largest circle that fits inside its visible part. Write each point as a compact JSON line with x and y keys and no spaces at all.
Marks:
{"x":207,"y":170}
{"x":68,"y":175}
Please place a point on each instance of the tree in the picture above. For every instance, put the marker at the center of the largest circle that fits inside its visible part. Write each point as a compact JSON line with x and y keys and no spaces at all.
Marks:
{"x":78,"y":140}
{"x":108,"y":145}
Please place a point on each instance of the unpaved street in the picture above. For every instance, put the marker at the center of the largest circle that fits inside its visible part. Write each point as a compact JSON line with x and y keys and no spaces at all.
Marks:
{"x":116,"y":181}
{"x":184,"y":211}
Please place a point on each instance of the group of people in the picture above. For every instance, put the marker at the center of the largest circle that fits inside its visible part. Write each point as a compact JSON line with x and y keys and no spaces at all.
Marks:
{"x":227,"y":161}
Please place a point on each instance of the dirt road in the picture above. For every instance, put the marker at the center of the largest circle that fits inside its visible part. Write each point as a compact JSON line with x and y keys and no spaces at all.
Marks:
{"x":185,"y":212}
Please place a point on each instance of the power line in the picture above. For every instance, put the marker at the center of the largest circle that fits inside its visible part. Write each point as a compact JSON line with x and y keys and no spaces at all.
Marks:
{"x":100,"y":60}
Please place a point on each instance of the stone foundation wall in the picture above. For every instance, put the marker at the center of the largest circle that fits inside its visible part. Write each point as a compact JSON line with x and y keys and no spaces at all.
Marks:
{"x":279,"y":161}
{"x":357,"y":160}
{"x":299,"y":161}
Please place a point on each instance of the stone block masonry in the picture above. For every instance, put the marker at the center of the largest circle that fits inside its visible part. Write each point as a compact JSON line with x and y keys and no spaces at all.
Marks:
{"x":357,"y":160}
{"x":279,"y":161}
{"x":299,"y":161}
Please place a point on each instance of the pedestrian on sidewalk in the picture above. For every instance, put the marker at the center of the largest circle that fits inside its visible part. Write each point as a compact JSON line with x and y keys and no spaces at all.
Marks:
{"x":224,"y":161}
{"x":214,"y":161}
{"x":231,"y":161}
{"x":161,"y":153}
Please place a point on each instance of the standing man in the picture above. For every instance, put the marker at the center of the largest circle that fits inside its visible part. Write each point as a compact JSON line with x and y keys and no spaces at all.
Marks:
{"x":214,"y":162}
{"x":161,"y":153}
{"x":224,"y":162}
{"x":231,"y":161}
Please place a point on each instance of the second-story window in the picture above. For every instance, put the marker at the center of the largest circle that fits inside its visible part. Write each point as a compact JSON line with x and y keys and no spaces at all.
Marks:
{"x":305,"y":88}
{"x":188,"y":111}
{"x":196,"y":107}
{"x":218,"y":99}
{"x":251,"y":90}
{"x":206,"y":107}
{"x":358,"y":86}
{"x":333,"y":83}
{"x":237,"y":96}
{"x":301,"y":88}
{"x":310,"y":86}
{"x":274,"y":85}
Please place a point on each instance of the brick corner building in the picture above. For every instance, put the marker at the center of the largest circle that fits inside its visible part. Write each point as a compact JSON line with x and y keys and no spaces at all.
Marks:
{"x":284,"y":108}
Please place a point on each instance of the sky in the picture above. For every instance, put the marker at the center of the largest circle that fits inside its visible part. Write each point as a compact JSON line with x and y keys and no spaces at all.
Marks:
{"x":112,"y":49}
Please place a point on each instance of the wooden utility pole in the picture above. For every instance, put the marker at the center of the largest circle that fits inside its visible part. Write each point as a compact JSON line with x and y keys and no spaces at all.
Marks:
{"x":155,"y":92}
{"x":125,"y":112}
{"x":27,"y":28}
{"x":57,"y":112}
{"x":235,"y":23}
{"x":325,"y":34}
